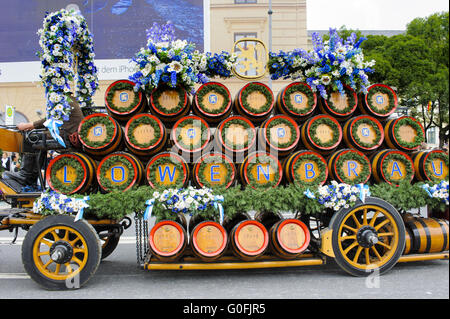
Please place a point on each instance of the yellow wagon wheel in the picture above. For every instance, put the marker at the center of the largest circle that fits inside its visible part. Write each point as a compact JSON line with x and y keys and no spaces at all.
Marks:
{"x":368,"y":237}
{"x":59,"y":253}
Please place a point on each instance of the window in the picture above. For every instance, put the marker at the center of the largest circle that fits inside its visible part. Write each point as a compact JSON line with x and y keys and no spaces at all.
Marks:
{"x":244,"y":1}
{"x":431,"y":135}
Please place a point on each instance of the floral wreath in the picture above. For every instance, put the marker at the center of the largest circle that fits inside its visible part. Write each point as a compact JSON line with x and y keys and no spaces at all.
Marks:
{"x":66,"y":45}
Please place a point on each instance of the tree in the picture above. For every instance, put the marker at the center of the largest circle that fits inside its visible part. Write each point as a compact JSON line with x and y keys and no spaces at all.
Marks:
{"x":416,"y":63}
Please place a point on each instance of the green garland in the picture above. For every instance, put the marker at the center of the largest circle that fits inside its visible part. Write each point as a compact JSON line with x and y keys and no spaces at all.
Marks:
{"x":62,"y":187}
{"x":107,"y":164}
{"x":388,"y":92}
{"x":88,"y":124}
{"x":334,"y":127}
{"x":418,"y":140}
{"x":321,"y":165}
{"x":291,"y":127}
{"x":158,"y":92}
{"x":218,"y":90}
{"x":251,"y":133}
{"x":252,"y":87}
{"x":120,"y":87}
{"x":263,"y":159}
{"x":370,"y":122}
{"x":162,"y":161}
{"x":209,"y":160}
{"x":144,"y":120}
{"x":432,"y":156}
{"x":409,"y":169}
{"x":303,"y":89}
{"x":350,"y":102}
{"x":363,"y":175}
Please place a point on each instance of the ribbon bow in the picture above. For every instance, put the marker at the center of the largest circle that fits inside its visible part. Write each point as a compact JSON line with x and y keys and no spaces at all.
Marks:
{"x":83,"y":206}
{"x":218,"y":205}
{"x":426,"y":187}
{"x":363,"y":191}
{"x":309,"y":194}
{"x":149,"y":209}
{"x":53,"y":127}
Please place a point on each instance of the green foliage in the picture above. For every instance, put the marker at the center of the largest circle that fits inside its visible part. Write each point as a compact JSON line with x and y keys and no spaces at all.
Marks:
{"x":403,"y":197}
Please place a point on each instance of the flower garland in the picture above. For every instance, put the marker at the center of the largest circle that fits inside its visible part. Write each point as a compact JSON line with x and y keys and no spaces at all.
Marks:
{"x":373,"y":125}
{"x":330,"y":64}
{"x":435,"y":156}
{"x":120,"y":87}
{"x":174,"y":62}
{"x":217,"y":89}
{"x":339,"y":195}
{"x":254,"y":87}
{"x":66,"y":45}
{"x":144,"y":120}
{"x":251,"y":131}
{"x":51,"y":203}
{"x":63,"y":187}
{"x":419,"y":138}
{"x":321,"y":166}
{"x":438,"y":191}
{"x":333,"y":126}
{"x":292,"y":129}
{"x":409,"y":167}
{"x":384,"y":90}
{"x":203,"y":165}
{"x":170,"y":202}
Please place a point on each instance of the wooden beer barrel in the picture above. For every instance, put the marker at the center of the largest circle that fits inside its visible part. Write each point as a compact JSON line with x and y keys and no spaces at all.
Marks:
{"x":380,"y":101}
{"x":71,"y":173}
{"x":404,"y":133}
{"x":255,"y":101}
{"x":260,"y":169}
{"x":321,"y":133}
{"x":364,"y":133}
{"x":119,"y":171}
{"x":145,"y":135}
{"x":289,"y":238}
{"x":297,"y":100}
{"x":212,"y":102}
{"x":169,"y":104}
{"x":431,"y":165}
{"x":191,"y":135}
{"x":235,"y":136}
{"x":426,"y":235}
{"x":249,"y":240}
{"x":122,"y":102}
{"x":214,"y":170}
{"x":280,"y":134}
{"x":100,"y":135}
{"x":392,"y":166}
{"x":167,"y":169}
{"x":349,"y":166}
{"x":305,"y":168}
{"x":167,"y":240}
{"x":209,"y":240}
{"x":340,"y":106}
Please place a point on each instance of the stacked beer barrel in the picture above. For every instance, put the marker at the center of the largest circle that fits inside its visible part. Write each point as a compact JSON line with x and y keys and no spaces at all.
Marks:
{"x":255,"y":139}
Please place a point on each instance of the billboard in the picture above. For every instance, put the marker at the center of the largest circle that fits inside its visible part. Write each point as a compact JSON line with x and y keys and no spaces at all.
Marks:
{"x":118,"y":28}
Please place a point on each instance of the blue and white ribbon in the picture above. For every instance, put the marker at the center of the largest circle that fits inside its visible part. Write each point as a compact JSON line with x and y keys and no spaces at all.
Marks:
{"x":218,"y":205}
{"x":53,"y":128}
{"x":309,"y":194}
{"x":149,"y":209}
{"x":363,"y":191}
{"x":426,"y":187}
{"x":83,"y":206}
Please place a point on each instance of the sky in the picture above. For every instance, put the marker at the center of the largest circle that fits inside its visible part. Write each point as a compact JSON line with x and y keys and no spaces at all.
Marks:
{"x":369,"y":14}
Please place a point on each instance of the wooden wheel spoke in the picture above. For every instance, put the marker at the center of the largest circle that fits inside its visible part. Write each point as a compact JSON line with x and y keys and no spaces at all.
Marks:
{"x":55,"y":236}
{"x":376,"y":252}
{"x":366,"y":253}
{"x":358,"y":252}
{"x":354,"y":230}
{"x":386,"y":234}
{"x":48,"y":263}
{"x":46,"y":242}
{"x":384,"y":222}
{"x":57,"y":269}
{"x":358,"y":224}
{"x":384,"y":245}
{"x":354,"y":244}
{"x":365,"y":217}
{"x":347,"y":237}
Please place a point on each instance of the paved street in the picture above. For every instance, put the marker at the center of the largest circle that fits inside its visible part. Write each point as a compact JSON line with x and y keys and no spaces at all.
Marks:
{"x":119,"y":277}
